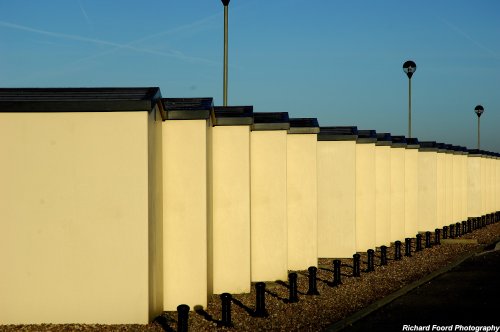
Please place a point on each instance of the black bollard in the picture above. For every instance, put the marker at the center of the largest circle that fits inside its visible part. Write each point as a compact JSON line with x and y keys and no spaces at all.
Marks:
{"x":260,"y":303}
{"x":371,"y":260}
{"x":464,"y":227}
{"x":408,"y":247}
{"x":452,"y":231}
{"x":313,"y":290}
{"x":292,"y":283}
{"x":182,"y":317}
{"x":483,"y":221}
{"x":383,"y":255}
{"x":469,"y":225}
{"x":397,"y":250}
{"x":226,"y":299}
{"x":336,"y":272}
{"x":445,"y":232}
{"x":355,"y":265}
{"x":418,"y":246}
{"x":437,"y":236}
{"x":474,"y":223}
{"x":427,"y":239}
{"x":457,"y":229}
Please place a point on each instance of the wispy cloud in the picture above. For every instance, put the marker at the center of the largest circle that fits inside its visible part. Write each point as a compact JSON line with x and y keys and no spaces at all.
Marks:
{"x":129,"y":46}
{"x":84,"y":13}
{"x":459,"y":31}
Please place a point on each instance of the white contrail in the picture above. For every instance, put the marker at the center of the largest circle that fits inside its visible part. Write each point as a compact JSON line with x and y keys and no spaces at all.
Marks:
{"x":468,"y":37}
{"x":84,"y":13}
{"x":173,"y":54}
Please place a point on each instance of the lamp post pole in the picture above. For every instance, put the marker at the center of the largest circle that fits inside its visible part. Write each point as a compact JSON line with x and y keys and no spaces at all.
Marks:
{"x":409,"y":67}
{"x":479,"y":110}
{"x":226,"y":5}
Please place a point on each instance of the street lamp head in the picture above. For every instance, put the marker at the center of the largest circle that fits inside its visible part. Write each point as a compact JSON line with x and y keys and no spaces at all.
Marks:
{"x":409,"y":67}
{"x":479,"y":110}
{"x":225,"y":2}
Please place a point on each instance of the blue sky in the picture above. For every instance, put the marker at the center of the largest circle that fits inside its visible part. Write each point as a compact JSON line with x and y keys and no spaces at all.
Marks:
{"x":339,"y":61}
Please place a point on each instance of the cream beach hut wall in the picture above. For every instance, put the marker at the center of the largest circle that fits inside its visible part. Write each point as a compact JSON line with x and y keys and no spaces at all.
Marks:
{"x":337,"y":191}
{"x":474,"y":193}
{"x":457,"y":177}
{"x":411,"y":187}
{"x":302,"y":193}
{"x":383,"y":189}
{"x":186,"y":134}
{"x":365,"y":190}
{"x":449,"y":184}
{"x":79,"y":215}
{"x":441,"y":186}
{"x":427,"y":187}
{"x":229,"y":200}
{"x":398,"y":188}
{"x":268,"y":199}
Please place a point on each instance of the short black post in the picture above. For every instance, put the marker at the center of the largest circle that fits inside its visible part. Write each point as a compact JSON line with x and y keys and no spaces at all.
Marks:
{"x":292,"y":284}
{"x":355,"y":265}
{"x":336,"y":272}
{"x":469,"y":225}
{"x":437,"y":236}
{"x":313,"y":289}
{"x":418,"y":246}
{"x":182,"y":317}
{"x":371,"y":260}
{"x":226,"y":299}
{"x":457,"y":229}
{"x":408,"y":247}
{"x":383,"y":255}
{"x":464,"y":227}
{"x":474,"y":223}
{"x":427,"y":239}
{"x":483,"y":221}
{"x":397,"y":250}
{"x":452,"y":231}
{"x":260,"y":303}
{"x":445,"y":232}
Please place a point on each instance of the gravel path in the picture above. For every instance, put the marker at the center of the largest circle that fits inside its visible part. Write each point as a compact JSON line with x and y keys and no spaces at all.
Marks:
{"x":311,"y":313}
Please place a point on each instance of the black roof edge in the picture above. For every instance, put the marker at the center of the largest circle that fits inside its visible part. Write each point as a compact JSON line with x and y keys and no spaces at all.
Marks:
{"x":428,"y":146}
{"x":303,"y":126}
{"x":188,"y":108}
{"x":384,"y":139}
{"x":338,"y":133}
{"x":270,"y":121}
{"x":366,"y":136}
{"x":412,"y":143}
{"x":398,"y":142}
{"x":97,"y":99}
{"x":232,"y":115}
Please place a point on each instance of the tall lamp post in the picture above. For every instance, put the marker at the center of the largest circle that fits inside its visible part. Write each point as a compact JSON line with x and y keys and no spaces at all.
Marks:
{"x":479,"y":110}
{"x":226,"y":5}
{"x":409,"y":67}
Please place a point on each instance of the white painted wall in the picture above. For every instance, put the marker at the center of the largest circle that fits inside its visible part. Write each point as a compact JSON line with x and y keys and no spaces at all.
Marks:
{"x":269,"y":233}
{"x":383,"y":195}
{"x":411,"y":192}
{"x":474,"y":193}
{"x":441,"y":190}
{"x":427,"y":190}
{"x":449,"y":189}
{"x":365,"y":197}
{"x":336,"y":199}
{"x":397,"y":194}
{"x":229,"y":224}
{"x":302,"y":201}
{"x":77,"y":200}
{"x":185,"y":213}
{"x":457,"y":177}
